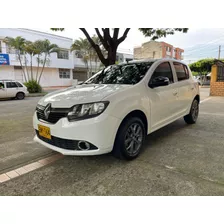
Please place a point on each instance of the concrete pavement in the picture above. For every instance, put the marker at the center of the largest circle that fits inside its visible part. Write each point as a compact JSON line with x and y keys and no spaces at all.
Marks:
{"x":179,"y":159}
{"x":16,"y":134}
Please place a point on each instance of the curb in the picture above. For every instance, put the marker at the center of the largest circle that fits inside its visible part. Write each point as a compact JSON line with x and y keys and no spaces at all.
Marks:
{"x":36,"y":94}
{"x":29,"y":167}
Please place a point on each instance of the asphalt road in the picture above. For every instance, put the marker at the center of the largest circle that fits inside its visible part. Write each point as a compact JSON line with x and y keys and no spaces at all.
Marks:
{"x":16,"y":133}
{"x":178,"y":159}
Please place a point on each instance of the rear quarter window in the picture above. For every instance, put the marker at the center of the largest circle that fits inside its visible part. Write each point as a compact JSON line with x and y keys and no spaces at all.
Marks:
{"x":19,"y":84}
{"x":181,"y":71}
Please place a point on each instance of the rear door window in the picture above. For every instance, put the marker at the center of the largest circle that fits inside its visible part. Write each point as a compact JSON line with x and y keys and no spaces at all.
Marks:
{"x":181,"y":71}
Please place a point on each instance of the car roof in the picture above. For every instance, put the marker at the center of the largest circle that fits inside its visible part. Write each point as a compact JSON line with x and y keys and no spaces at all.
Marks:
{"x":152,"y":60}
{"x":8,"y":80}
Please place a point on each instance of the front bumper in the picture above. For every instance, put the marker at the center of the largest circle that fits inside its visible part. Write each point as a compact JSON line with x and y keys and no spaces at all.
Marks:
{"x":99,"y":131}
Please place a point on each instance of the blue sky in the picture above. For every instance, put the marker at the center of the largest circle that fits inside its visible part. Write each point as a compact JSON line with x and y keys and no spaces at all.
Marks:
{"x":198,"y":42}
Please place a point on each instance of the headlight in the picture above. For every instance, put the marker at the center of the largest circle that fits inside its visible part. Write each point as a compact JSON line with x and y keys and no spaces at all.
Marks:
{"x":88,"y":110}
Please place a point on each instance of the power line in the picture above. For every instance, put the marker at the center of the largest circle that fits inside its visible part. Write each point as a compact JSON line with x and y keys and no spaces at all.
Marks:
{"x":187,"y":54}
{"x":208,"y":42}
{"x":203,"y":47}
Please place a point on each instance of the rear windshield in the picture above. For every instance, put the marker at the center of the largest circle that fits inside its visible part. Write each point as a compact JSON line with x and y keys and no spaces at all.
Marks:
{"x":129,"y":74}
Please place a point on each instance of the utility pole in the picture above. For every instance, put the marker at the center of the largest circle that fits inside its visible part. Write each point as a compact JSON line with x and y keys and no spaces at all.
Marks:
{"x":219,"y":51}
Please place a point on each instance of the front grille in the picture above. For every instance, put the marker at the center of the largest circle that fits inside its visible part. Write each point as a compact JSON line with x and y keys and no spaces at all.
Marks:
{"x":63,"y":143}
{"x":55,"y":114}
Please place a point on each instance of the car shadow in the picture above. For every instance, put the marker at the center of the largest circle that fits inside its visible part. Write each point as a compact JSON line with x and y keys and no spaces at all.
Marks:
{"x":151,"y":139}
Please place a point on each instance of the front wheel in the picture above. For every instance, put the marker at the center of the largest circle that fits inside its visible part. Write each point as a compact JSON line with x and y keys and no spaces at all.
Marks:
{"x":129,"y":139}
{"x":192,"y":117}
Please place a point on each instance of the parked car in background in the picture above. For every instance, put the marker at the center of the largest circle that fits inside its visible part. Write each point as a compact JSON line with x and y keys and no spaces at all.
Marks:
{"x":12,"y":89}
{"x":197,"y":80}
{"x":204,"y":80}
{"x":115,"y":109}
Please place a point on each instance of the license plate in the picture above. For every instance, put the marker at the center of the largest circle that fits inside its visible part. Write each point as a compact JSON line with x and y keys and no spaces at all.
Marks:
{"x":44,"y":131}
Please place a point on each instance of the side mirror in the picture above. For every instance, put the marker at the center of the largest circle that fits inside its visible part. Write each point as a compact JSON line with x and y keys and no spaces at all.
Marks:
{"x":159,"y":81}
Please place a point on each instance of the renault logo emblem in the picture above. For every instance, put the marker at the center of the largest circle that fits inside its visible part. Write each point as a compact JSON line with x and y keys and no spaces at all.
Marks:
{"x":47,"y":111}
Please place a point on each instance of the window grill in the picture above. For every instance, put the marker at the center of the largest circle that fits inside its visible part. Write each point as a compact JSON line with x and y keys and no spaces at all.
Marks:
{"x":220,"y":76}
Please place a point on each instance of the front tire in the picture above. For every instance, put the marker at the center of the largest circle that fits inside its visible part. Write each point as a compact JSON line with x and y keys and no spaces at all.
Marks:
{"x":191,"y":118}
{"x":20,"y":96}
{"x":130,"y":138}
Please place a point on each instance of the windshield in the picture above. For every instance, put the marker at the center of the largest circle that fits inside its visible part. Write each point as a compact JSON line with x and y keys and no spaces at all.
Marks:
{"x":129,"y":74}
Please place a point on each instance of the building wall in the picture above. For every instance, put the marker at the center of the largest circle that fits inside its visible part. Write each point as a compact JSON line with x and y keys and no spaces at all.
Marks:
{"x":154,"y":49}
{"x":50,"y":76}
{"x":216,"y":88}
{"x":179,"y":54}
{"x":167,"y":53}
{"x":151,"y":49}
{"x":7,"y":72}
{"x":31,"y":35}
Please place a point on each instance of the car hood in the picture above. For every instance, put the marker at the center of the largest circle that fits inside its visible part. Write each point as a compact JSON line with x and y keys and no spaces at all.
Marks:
{"x":79,"y":94}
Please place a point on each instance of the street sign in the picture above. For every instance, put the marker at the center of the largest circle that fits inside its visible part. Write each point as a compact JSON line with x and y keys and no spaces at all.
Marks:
{"x":4,"y":59}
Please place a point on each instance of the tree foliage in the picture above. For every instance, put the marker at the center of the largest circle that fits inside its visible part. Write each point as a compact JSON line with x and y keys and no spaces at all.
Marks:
{"x":203,"y":66}
{"x":25,"y":52}
{"x":84,"y":50}
{"x":110,"y":39}
{"x":156,"y":33}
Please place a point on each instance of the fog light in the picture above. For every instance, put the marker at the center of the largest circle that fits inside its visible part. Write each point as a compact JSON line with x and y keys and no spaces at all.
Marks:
{"x":83,"y":145}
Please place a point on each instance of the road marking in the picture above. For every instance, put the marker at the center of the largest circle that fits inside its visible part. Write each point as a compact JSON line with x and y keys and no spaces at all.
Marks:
{"x":29,"y":167}
{"x":205,"y":100}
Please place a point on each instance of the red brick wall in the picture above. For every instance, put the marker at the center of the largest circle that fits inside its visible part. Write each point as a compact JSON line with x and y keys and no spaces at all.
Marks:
{"x":217,"y":88}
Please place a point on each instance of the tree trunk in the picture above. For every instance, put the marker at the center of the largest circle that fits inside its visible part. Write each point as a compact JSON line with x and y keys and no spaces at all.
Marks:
{"x":109,"y":43}
{"x":112,"y":53}
{"x":38,"y":65}
{"x":31,"y":67}
{"x":45,"y":59}
{"x":27,"y":72}
{"x":20,"y":61}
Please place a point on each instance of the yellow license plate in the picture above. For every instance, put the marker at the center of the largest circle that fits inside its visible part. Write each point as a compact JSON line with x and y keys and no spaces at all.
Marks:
{"x":44,"y":131}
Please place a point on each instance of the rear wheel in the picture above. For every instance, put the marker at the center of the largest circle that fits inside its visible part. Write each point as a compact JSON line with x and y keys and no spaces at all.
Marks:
{"x":20,"y":96}
{"x":129,"y":139}
{"x":191,"y":118}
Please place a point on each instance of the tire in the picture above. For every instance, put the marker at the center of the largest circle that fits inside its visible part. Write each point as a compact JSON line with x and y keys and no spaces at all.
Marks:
{"x":133,"y":130}
{"x":191,"y":118}
{"x":20,"y":96}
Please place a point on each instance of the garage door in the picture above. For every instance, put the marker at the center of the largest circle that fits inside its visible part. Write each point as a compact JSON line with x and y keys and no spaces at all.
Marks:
{"x":18,"y":74}
{"x":80,"y":75}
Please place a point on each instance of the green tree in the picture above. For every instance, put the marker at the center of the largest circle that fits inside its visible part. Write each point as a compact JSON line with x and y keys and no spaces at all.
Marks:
{"x":47,"y":49}
{"x":26,"y":50}
{"x":111,"y":42}
{"x":203,"y":67}
{"x":83,"y":49}
{"x":17,"y":44}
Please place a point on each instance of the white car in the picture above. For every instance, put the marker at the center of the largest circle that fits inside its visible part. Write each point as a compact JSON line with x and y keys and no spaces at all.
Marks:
{"x":115,"y":109}
{"x":12,"y":89}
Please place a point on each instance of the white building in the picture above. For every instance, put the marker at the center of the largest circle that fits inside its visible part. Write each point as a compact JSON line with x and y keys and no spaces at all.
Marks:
{"x":59,"y":70}
{"x":64,"y":67}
